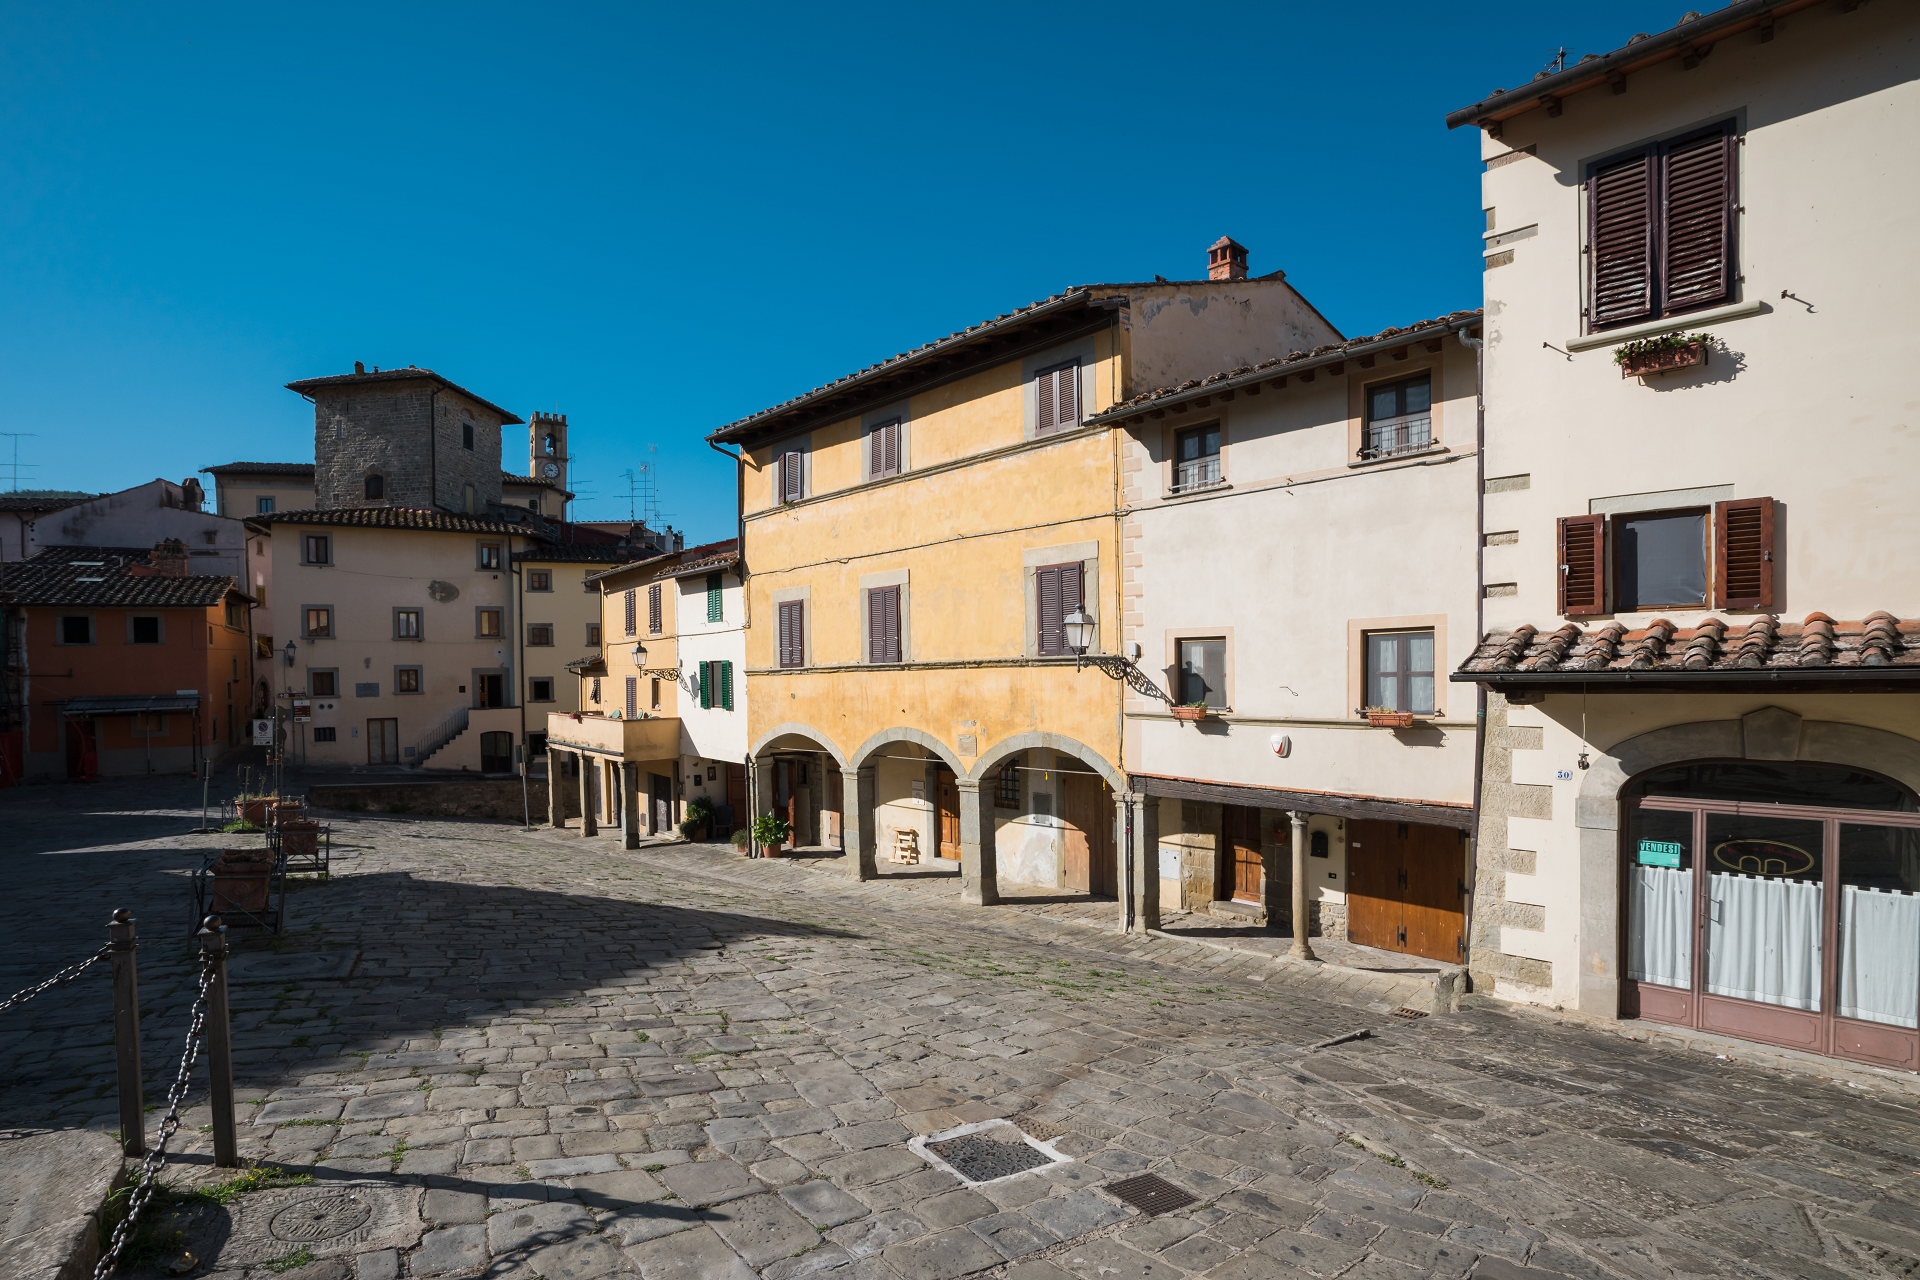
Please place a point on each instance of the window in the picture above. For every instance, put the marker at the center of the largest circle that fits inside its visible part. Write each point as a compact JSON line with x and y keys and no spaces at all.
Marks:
{"x":1056,"y":400}
{"x":1660,"y":229}
{"x":540,"y":689}
{"x":406,"y":624}
{"x":593,"y":634}
{"x":883,"y":450}
{"x":323,"y":684}
{"x":533,"y":504}
{"x":550,"y":444}
{"x":489,"y":555}
{"x":263,"y":506}
{"x":1203,"y":672}
{"x":716,"y":685}
{"x":883,"y":624}
{"x":143,"y":629}
{"x":630,"y":613}
{"x":149,"y":726}
{"x":469,"y":500}
{"x":76,"y":630}
{"x":487,"y":623}
{"x":466,"y":435}
{"x":1196,"y":458}
{"x":653,"y":610}
{"x":316,"y":548}
{"x":319,"y":622}
{"x":324,"y":733}
{"x":1399,"y":417}
{"x":1400,"y":671}
{"x":593,"y":694}
{"x":633,"y":696}
{"x":376,"y":487}
{"x":793,"y":637}
{"x":1057,"y":593}
{"x":789,"y":474}
{"x":714,"y":607}
{"x":655,"y":694}
{"x":540,"y":635}
{"x":1660,"y":559}
{"x":539,"y":579}
{"x":237,"y":615}
{"x":406,"y":679}
{"x":1006,"y":786}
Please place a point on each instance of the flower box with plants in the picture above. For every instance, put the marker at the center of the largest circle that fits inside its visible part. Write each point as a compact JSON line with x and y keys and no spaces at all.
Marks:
{"x":240,"y":880}
{"x":1661,"y":354}
{"x":770,"y":831}
{"x":1192,"y":712}
{"x":699,"y":821}
{"x":1387,"y":718}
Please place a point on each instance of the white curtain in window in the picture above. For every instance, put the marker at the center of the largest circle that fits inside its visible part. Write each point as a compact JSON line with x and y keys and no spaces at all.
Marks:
{"x":1879,"y":955}
{"x":1763,"y":940}
{"x":1660,"y":926}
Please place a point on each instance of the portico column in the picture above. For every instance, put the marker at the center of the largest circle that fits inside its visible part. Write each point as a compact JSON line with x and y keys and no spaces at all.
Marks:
{"x":1301,"y":949}
{"x":630,"y":803}
{"x":1144,"y":843}
{"x":979,"y":854}
{"x":556,"y":789}
{"x":588,"y":826}
{"x":857,"y":792}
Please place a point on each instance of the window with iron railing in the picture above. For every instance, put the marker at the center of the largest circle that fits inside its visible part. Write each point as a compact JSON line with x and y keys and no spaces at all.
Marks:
{"x":1399,"y":418}
{"x":1196,"y":458}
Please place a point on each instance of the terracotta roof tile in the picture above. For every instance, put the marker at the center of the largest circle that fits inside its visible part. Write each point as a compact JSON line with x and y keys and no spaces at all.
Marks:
{"x":1713,"y":645}
{"x":260,"y":469}
{"x":411,"y":373}
{"x":399,"y":518}
{"x":43,"y":499}
{"x":53,"y":582}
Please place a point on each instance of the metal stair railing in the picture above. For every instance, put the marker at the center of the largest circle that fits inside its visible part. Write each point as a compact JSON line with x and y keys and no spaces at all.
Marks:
{"x":447,"y":730}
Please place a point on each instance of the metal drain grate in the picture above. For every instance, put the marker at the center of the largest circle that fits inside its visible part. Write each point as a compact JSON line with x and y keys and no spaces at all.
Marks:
{"x":1038,"y":1130}
{"x":1404,"y":1012}
{"x":980,"y":1159}
{"x":1150,"y":1194}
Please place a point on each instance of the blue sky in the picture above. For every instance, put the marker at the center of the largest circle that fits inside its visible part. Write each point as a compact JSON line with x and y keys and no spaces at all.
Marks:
{"x":659,"y":220}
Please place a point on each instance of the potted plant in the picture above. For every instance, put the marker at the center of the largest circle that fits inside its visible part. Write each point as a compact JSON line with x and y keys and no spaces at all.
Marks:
{"x":1387,"y":718}
{"x":240,"y":879}
{"x":1661,"y":354}
{"x":699,"y":823}
{"x":299,"y":837}
{"x":251,"y":809}
{"x":1191,"y":713}
{"x":740,"y":839}
{"x":771,"y":831}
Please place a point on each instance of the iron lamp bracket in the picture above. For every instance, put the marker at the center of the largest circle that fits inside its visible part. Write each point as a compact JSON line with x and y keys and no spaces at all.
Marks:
{"x":1119,"y":668}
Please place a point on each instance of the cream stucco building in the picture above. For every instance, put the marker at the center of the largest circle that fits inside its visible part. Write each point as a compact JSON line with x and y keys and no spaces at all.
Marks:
{"x":1704,"y":739}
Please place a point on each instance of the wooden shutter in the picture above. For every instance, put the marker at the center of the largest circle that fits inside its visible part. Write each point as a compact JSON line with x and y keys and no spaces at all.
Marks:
{"x":790,"y":473}
{"x":714,"y":611}
{"x":1743,"y":554}
{"x":1057,"y":398}
{"x":792,"y":638}
{"x":633,"y":696}
{"x":726,"y":685}
{"x":653,"y":611}
{"x":1583,"y":565}
{"x":883,"y":450}
{"x":631,"y":613}
{"x":1620,"y":223}
{"x":1696,"y":226}
{"x":1056,"y":594}
{"x":883,"y":624}
{"x":706,"y":685}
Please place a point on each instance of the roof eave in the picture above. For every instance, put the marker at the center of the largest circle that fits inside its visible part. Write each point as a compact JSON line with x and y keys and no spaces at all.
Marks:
{"x":1750,"y":680}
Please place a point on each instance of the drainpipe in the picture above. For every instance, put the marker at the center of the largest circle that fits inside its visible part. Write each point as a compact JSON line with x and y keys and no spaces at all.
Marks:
{"x":746,"y":621}
{"x":514,"y":593}
{"x":1479,"y":348}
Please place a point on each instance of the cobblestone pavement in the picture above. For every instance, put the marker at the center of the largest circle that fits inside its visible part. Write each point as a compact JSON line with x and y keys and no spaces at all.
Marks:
{"x":556,"y":1058}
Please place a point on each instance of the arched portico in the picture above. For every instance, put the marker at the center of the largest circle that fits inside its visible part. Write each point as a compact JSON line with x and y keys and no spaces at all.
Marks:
{"x":797,"y":772}
{"x":903,"y":779}
{"x":1041,"y":809}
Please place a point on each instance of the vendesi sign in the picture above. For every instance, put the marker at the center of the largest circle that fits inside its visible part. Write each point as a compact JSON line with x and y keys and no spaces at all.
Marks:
{"x":1660,"y":853}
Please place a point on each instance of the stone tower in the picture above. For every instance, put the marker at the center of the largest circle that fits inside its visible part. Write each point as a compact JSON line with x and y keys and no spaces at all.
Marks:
{"x":547,"y":445}
{"x":403,"y":438}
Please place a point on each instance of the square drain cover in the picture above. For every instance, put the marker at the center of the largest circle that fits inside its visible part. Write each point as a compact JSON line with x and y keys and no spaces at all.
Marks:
{"x":980,"y":1159}
{"x":1150,"y":1193}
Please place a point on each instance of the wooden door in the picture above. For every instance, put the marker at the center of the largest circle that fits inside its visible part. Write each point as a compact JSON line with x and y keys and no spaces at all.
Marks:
{"x":662,"y":788}
{"x":1433,"y":918}
{"x":383,"y":741}
{"x":783,"y":793}
{"x":836,"y":800}
{"x":1089,"y":862}
{"x":947,"y":790}
{"x":1241,"y":867}
{"x":1374,"y":912}
{"x":493,"y":691}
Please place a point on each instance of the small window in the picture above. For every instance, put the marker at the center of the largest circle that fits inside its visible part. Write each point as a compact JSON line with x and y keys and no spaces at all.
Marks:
{"x":1196,"y":458}
{"x":540,"y":689}
{"x":237,"y":615}
{"x":789,"y":474}
{"x":323,"y":684}
{"x":593,"y":634}
{"x":793,"y":633}
{"x":466,"y":435}
{"x":1203,"y":672}
{"x":1006,"y":786}
{"x":655,"y":692}
{"x":406,"y":624}
{"x":539,"y":580}
{"x":488,"y":623}
{"x":470,"y":500}
{"x":319,"y":622}
{"x":323,"y":734}
{"x":540,"y":635}
{"x":714,"y":598}
{"x":76,"y":630}
{"x":1057,"y":590}
{"x":593,"y":693}
{"x":633,"y":696}
{"x":1056,"y":398}
{"x":1399,"y":417}
{"x":406,"y":679}
{"x":489,"y":555}
{"x":1660,"y":560}
{"x":1400,"y":671}
{"x":149,"y":726}
{"x":316,"y":548}
{"x":655,"y":621}
{"x":143,"y":630}
{"x":883,"y":624}
{"x":263,"y":506}
{"x":533,"y":504}
{"x":629,"y":601}
{"x":883,"y":450}
{"x":376,"y":486}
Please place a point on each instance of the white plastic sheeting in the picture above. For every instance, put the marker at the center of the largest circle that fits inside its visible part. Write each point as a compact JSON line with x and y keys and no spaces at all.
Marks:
{"x":1660,"y":926}
{"x":1879,"y":956}
{"x":1763,"y":939}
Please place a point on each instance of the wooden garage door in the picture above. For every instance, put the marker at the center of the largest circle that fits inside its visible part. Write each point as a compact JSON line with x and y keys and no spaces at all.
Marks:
{"x":1405,"y":889}
{"x":1089,"y":836}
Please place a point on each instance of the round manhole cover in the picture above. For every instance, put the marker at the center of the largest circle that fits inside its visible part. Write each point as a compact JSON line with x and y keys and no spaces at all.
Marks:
{"x":320,"y":1219}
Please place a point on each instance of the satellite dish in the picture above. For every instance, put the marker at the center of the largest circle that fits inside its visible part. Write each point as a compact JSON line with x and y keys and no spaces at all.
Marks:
{"x":442,"y":591}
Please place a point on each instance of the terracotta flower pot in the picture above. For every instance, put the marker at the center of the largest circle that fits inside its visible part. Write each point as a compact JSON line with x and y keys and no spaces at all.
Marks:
{"x":774,"y":850}
{"x":1191,"y":715}
{"x":240,"y":880}
{"x":1664,"y":360}
{"x":299,"y":837}
{"x":1390,"y":719}
{"x":254,"y":810}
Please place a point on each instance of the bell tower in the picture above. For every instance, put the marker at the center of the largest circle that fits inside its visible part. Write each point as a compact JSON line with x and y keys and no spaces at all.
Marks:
{"x":547,"y":443}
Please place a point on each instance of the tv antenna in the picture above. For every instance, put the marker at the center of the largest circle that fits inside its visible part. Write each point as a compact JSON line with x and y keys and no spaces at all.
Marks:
{"x":16,"y":454}
{"x":1559,"y":62}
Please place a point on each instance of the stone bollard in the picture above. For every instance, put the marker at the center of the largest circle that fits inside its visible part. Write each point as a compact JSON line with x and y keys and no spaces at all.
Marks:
{"x":126,"y":1034}
{"x":219,"y":1030}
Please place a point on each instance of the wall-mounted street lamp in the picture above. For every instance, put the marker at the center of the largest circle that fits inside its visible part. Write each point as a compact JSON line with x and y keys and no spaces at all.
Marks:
{"x":1080,"y":628}
{"x":291,"y":651}
{"x":657,"y":673}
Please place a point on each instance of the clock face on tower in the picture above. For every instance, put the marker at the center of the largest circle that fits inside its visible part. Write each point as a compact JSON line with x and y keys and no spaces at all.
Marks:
{"x":551,"y":470}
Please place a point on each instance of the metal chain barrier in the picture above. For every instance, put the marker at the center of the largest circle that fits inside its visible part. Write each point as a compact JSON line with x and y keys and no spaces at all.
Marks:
{"x":149,"y":1180}
{"x":65,"y":975}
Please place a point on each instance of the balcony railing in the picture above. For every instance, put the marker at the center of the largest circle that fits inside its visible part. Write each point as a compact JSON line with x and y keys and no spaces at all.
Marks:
{"x":1390,"y":436}
{"x":1199,"y":473}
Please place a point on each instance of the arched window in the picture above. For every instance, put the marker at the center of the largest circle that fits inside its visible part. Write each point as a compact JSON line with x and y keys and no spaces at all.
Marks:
{"x":376,"y":486}
{"x":552,"y":444}
{"x":466,"y":435}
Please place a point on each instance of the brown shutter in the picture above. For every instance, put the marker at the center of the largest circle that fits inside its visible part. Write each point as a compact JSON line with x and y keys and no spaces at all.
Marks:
{"x":877,"y":452}
{"x":1583,"y":565}
{"x":883,"y":624}
{"x":1045,"y":416}
{"x":893,"y":448}
{"x":792,"y":638}
{"x":893,"y":624}
{"x":790,"y":473}
{"x":631,"y":613}
{"x":1697,"y":223}
{"x":1743,"y":554}
{"x":1046,"y":586}
{"x":1056,"y":395}
{"x":1620,"y":218}
{"x":653,"y":609}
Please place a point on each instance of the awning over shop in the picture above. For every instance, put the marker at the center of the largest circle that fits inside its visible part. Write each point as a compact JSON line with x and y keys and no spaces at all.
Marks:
{"x":131,"y":704}
{"x":1336,"y":804}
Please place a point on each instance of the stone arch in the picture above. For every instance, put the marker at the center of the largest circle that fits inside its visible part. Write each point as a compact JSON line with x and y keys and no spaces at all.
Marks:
{"x":795,"y":729}
{"x":940,"y":750}
{"x":986,"y":765}
{"x":373,"y":486}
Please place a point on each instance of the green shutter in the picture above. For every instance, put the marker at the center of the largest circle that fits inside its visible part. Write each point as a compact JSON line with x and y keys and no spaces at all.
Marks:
{"x":726,"y":686}
{"x":713,"y":598}
{"x":706,"y":686}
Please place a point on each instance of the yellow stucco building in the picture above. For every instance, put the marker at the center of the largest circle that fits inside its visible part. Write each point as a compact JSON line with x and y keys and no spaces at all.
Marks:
{"x":915,"y":534}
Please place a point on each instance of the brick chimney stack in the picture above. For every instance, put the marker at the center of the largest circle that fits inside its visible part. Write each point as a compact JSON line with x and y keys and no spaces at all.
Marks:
{"x":1226,"y":260}
{"x":170,"y":559}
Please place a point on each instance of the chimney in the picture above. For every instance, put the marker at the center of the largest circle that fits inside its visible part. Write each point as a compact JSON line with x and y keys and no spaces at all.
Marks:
{"x":170,"y":559}
{"x":192,"y":496}
{"x":359,"y":367}
{"x":1226,"y":260}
